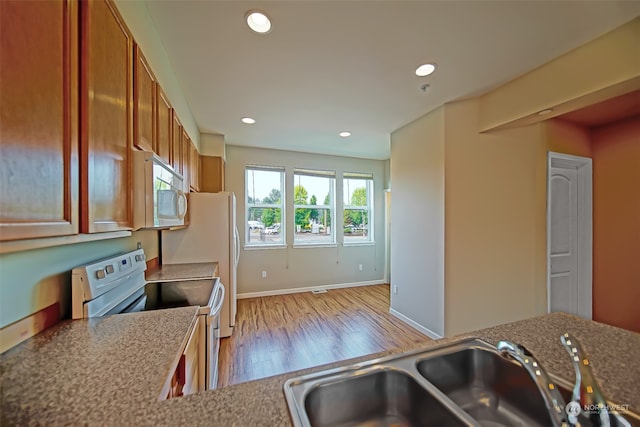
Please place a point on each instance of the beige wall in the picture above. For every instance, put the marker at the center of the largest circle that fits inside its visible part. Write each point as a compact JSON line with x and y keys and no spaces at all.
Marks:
{"x":616,"y":188}
{"x":417,"y":229}
{"x":482,"y":203}
{"x":492,"y":266}
{"x":212,"y":144}
{"x":291,"y":268}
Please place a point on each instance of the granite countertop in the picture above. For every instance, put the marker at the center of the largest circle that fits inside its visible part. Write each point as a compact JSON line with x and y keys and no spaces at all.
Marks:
{"x":103,"y":370}
{"x":181,"y":272}
{"x":62,"y":377}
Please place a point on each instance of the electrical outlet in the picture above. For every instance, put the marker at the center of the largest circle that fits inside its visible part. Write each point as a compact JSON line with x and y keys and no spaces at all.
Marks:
{"x":360,"y":267}
{"x":395,"y":290}
{"x":264,"y":274}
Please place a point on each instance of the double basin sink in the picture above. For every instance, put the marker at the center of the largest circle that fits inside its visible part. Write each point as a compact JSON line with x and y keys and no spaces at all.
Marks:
{"x":468,"y":383}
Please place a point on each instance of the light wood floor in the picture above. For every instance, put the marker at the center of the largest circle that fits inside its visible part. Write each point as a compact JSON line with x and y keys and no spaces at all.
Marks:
{"x":284,"y":333}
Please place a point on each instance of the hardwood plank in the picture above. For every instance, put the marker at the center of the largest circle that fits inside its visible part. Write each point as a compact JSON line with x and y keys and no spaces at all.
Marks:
{"x":285,"y":333}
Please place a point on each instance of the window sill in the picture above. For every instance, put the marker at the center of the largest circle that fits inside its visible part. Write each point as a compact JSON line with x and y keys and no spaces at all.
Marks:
{"x":359,"y":244}
{"x":260,"y":247}
{"x":314,"y":245}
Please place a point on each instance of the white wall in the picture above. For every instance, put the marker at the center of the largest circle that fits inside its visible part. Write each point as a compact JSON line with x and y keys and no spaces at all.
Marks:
{"x":417,"y":209}
{"x":291,"y":267}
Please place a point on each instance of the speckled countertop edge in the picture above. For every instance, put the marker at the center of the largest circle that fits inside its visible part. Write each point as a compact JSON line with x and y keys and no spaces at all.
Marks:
{"x":181,"y":272}
{"x":262,"y":402}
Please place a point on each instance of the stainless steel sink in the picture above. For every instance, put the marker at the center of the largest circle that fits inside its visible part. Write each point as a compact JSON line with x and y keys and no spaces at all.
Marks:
{"x":377,"y":398}
{"x":490,"y":388}
{"x":465,"y":383}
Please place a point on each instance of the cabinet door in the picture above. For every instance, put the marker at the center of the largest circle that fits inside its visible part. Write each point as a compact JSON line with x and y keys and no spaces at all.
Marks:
{"x":186,"y":162}
{"x":176,"y":144}
{"x":144,"y":103}
{"x":194,"y":172}
{"x":191,"y":356}
{"x":211,"y":174}
{"x":38,"y":119}
{"x":164,"y":121}
{"x":106,"y":110}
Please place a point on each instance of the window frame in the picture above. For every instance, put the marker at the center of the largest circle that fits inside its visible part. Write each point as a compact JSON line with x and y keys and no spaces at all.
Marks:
{"x":368,"y":208}
{"x":331,"y":207}
{"x":248,"y":244}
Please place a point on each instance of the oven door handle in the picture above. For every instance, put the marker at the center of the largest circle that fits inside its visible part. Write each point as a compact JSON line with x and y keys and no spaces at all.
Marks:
{"x":218,"y":299}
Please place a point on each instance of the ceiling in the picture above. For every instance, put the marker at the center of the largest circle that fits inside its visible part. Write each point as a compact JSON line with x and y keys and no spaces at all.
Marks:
{"x":330,"y":66}
{"x":605,"y":112}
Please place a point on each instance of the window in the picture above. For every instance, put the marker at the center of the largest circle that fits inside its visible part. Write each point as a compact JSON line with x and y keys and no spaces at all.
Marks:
{"x":358,"y":207}
{"x":264,"y":205}
{"x":313,"y":202}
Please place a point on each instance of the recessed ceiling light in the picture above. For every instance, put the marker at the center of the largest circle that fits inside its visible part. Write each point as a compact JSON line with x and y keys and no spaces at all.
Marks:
{"x":248,"y":120}
{"x":425,"y":69}
{"x":545,"y":112}
{"x":258,"y":21}
{"x":345,"y":134}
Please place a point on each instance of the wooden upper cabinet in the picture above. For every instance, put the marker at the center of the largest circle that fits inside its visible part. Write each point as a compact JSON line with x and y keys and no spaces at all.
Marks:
{"x":176,"y":143}
{"x":186,"y":162}
{"x":144,"y":103}
{"x":164,"y":121}
{"x":194,"y":170}
{"x":106,"y":126}
{"x":38,"y":119}
{"x":211,"y":174}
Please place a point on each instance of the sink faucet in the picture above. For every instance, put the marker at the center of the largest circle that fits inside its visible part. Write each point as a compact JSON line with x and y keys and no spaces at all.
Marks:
{"x":586,"y":391}
{"x":549,"y":392}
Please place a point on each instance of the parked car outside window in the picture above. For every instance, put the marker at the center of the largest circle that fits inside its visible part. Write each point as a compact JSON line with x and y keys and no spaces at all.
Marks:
{"x":273,"y":229}
{"x":256,"y":225}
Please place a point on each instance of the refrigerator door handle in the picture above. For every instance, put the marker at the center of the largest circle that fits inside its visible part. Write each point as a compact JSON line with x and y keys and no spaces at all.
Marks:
{"x":236,"y":236}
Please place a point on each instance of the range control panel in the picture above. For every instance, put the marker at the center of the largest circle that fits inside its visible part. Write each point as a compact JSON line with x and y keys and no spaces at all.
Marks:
{"x":102,"y":275}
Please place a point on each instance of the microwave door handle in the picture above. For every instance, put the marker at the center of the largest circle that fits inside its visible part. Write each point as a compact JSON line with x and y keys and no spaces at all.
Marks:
{"x":183,"y":197}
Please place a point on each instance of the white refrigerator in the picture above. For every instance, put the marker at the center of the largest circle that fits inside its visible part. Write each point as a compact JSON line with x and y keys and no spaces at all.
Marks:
{"x":212,"y":235}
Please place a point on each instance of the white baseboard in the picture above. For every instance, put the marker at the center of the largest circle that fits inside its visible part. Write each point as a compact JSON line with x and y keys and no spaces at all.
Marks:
{"x":428,"y":332}
{"x":308,"y":289}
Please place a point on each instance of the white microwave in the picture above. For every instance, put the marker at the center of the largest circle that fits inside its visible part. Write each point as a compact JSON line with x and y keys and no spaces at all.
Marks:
{"x":159,"y":201}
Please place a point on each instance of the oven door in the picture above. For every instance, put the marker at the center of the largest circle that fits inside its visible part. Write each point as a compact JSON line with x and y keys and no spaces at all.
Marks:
{"x":137,"y":305}
{"x":213,"y":337}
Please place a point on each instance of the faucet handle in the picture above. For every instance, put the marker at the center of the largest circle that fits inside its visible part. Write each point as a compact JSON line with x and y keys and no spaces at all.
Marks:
{"x":550,"y":394}
{"x":586,"y":390}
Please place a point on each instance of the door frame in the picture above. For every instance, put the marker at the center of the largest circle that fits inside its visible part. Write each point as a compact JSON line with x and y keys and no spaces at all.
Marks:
{"x":387,"y":236}
{"x":585,"y":228}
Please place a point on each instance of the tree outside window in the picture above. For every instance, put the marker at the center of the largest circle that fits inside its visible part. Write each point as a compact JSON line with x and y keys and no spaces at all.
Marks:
{"x":264,"y":205}
{"x":358,"y":202}
{"x":313,"y":220}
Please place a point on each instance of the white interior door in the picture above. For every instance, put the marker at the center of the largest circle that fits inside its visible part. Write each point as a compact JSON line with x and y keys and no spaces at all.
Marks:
{"x":569,"y":235}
